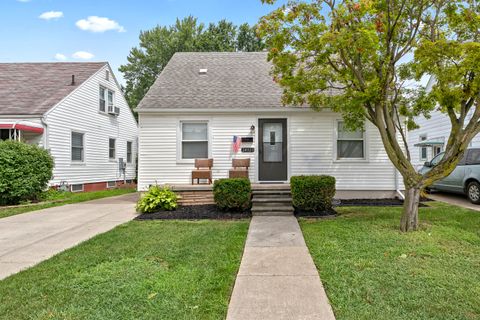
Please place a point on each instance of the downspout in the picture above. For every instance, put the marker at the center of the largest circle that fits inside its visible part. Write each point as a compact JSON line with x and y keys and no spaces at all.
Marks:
{"x":45,"y":133}
{"x":397,"y":187}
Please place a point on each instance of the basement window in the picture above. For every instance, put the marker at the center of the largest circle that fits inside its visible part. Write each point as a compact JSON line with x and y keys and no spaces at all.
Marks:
{"x":76,"y":188}
{"x":111,"y":184}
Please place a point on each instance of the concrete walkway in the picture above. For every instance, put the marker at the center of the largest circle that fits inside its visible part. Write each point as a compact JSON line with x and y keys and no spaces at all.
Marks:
{"x":455,"y":199}
{"x":277,"y":277}
{"x":29,"y":238}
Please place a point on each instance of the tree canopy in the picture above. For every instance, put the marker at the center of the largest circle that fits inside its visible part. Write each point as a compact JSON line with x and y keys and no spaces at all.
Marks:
{"x":360,"y":58}
{"x":157,"y":46}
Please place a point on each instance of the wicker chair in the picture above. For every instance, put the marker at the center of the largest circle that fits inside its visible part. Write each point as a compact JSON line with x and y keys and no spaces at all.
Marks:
{"x":239,"y":168}
{"x":203,"y":170}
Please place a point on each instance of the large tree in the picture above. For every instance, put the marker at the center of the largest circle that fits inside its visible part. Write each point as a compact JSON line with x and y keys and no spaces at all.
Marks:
{"x":158,"y":45}
{"x":373,"y":54}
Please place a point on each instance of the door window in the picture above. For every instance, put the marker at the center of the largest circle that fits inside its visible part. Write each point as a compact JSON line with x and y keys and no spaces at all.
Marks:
{"x":272,"y":142}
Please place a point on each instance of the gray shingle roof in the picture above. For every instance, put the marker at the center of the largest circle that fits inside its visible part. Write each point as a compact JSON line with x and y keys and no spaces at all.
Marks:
{"x":34,"y":88}
{"x":233,"y":80}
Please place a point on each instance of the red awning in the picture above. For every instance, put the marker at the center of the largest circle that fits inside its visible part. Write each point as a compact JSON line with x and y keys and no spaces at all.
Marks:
{"x":21,"y":127}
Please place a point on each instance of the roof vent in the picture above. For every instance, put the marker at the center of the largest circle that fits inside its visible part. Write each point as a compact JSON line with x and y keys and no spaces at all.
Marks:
{"x":73,"y":80}
{"x":203,"y":71}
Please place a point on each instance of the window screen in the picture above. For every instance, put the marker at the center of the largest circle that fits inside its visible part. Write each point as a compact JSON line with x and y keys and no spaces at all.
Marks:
{"x":111,"y":148}
{"x":194,"y":140}
{"x":350,"y":144}
{"x":77,"y":147}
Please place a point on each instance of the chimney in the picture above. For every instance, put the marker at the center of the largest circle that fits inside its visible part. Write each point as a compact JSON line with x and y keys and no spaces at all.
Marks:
{"x":73,"y":79}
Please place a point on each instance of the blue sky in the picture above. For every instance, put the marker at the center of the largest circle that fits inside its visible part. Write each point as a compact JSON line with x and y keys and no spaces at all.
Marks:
{"x":56,"y":30}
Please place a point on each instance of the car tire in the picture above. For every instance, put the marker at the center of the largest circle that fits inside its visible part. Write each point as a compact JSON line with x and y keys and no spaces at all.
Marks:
{"x":473,"y":192}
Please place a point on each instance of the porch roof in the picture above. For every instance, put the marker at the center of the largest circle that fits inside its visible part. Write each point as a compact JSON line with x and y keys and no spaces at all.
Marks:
{"x":429,"y":143}
{"x":22,"y":125}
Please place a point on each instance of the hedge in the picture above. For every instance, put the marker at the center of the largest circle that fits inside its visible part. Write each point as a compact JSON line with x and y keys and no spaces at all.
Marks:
{"x":24,"y":171}
{"x":312,"y":193}
{"x":232,"y":194}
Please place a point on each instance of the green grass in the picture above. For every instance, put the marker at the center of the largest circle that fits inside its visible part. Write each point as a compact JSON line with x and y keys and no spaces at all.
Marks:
{"x":63,"y":198}
{"x":139,"y":270}
{"x":372,"y":271}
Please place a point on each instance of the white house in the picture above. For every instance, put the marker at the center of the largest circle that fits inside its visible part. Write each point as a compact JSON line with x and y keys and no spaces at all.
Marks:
{"x":432,"y":135}
{"x":201,"y":101}
{"x":76,"y":111}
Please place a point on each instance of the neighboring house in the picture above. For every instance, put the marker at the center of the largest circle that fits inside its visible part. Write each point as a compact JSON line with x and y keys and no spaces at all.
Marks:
{"x":432,"y":135}
{"x":201,"y":101}
{"x":76,"y":111}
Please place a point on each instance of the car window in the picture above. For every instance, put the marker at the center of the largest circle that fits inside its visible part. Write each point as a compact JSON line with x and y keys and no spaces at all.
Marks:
{"x":437,"y":159}
{"x":473,"y":156}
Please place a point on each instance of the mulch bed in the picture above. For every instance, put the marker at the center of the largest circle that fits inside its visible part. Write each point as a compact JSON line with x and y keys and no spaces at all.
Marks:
{"x":375,"y":203}
{"x":195,"y":212}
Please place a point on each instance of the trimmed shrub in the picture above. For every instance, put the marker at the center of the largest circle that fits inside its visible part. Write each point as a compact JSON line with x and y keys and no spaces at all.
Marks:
{"x":233,"y":194}
{"x":156,"y":199}
{"x":312,"y":193}
{"x":24,"y":171}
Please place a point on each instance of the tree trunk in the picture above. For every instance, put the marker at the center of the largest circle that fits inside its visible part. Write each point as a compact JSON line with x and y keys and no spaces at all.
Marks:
{"x":409,"y":221}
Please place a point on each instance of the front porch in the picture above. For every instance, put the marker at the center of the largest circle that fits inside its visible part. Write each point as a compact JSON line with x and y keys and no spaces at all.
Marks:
{"x":21,"y":130}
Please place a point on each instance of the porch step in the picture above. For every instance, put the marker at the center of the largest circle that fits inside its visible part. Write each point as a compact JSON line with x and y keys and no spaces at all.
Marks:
{"x":272,"y":202}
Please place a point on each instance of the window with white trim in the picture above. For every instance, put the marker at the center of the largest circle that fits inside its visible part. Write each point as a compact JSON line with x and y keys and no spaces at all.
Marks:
{"x":111,"y":148}
{"x":423,"y":150}
{"x":194,"y":140}
{"x":102,"y":101}
{"x":77,"y":152}
{"x":350,"y":144}
{"x":106,"y":98}
{"x":129,"y":151}
{"x":111,"y":184}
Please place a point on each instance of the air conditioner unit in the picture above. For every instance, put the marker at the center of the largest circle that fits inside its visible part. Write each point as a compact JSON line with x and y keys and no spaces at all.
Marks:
{"x":116,"y":110}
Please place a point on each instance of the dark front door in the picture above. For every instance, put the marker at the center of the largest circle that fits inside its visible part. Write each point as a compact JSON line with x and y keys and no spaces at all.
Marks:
{"x":272,"y":149}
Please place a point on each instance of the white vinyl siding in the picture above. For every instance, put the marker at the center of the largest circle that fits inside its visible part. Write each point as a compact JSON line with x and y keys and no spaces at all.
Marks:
{"x":194,"y":140}
{"x":77,"y":150}
{"x":79,"y":112}
{"x":311,"y":143}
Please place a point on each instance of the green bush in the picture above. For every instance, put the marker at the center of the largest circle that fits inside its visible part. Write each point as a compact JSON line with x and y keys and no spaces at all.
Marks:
{"x":157,"y":198}
{"x":232,"y":194}
{"x":24,"y":171}
{"x":312,"y":193}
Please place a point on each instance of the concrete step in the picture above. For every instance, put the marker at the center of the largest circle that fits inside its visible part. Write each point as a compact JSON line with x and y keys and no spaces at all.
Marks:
{"x":268,"y":200}
{"x":271,"y":192}
{"x":272,"y":213}
{"x":257,"y":208}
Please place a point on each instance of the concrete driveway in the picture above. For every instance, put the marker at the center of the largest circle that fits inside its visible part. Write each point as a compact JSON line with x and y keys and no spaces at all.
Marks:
{"x":29,"y":238}
{"x":455,"y":199}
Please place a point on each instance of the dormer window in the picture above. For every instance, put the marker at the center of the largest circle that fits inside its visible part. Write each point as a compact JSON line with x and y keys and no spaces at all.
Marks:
{"x":106,"y":100}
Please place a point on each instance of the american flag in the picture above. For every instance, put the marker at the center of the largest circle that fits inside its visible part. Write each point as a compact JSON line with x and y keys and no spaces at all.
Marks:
{"x":237,"y":141}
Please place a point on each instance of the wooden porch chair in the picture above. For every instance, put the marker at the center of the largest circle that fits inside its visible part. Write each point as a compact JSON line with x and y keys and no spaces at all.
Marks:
{"x":203,"y":170}
{"x":239,"y":168}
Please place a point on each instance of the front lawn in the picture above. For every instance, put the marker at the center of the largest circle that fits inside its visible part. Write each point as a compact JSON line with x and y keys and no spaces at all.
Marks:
{"x":139,"y":270}
{"x":372,"y":271}
{"x":62,"y":198}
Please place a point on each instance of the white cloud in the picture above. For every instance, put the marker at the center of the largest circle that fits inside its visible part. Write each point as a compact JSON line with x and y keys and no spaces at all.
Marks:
{"x":23,"y":0}
{"x":99,"y":24}
{"x":82,"y":55}
{"x":51,"y":15}
{"x":60,"y":57}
